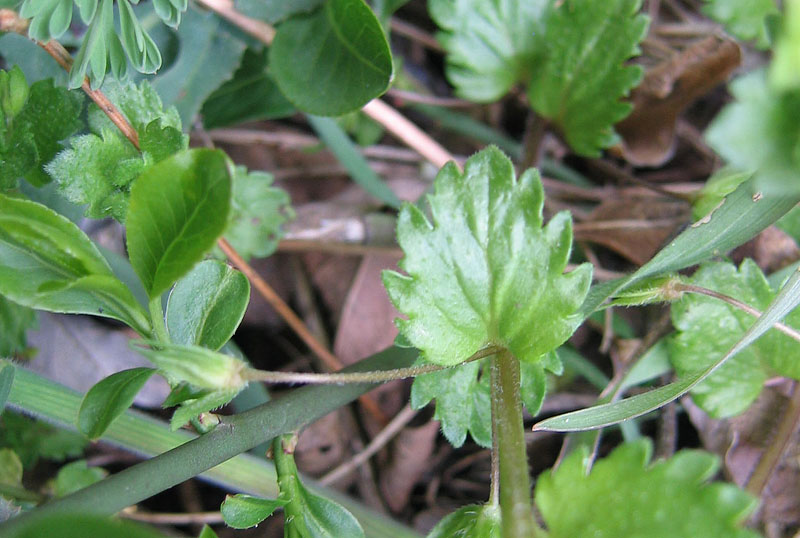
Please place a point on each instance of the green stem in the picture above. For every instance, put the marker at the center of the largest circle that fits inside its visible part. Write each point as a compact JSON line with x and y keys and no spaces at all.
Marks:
{"x":283,"y":452}
{"x":157,"y":315}
{"x":515,"y":484}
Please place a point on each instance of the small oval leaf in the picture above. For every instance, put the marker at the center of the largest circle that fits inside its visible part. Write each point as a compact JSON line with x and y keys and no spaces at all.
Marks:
{"x":109,"y":398}
{"x":207,"y":305}
{"x":178,"y":208}
{"x":472,"y":520}
{"x":332,"y":61}
{"x":245,"y":511}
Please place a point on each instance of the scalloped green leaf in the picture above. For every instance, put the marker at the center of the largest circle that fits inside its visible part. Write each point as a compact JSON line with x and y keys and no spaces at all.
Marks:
{"x":582,"y":76}
{"x":36,"y":120}
{"x":474,"y":520}
{"x":490,"y":45}
{"x":258,"y":212}
{"x":47,"y":262}
{"x":745,"y":19}
{"x":245,"y":511}
{"x":108,"y":399}
{"x":178,"y":209}
{"x":737,"y":383}
{"x":756,"y":133}
{"x":206,"y":306}
{"x":332,"y":61}
{"x":625,"y":494}
{"x":462,"y":395}
{"x":486,"y":272}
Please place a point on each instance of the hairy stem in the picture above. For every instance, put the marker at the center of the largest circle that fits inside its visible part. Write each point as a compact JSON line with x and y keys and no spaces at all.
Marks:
{"x":509,"y":443}
{"x":360,"y":377}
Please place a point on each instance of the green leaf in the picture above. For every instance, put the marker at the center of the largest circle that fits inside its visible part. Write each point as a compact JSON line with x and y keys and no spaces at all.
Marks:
{"x":207,"y":532}
{"x":245,"y":511}
{"x":206,"y":306}
{"x":178,"y":209}
{"x":612,"y":413}
{"x":736,"y":384}
{"x":108,"y":399}
{"x":207,"y":57}
{"x":100,"y":52}
{"x":49,"y":18}
{"x":249,"y":96}
{"x":462,"y":396}
{"x":191,"y":409}
{"x":722,"y":183}
{"x":76,"y":476}
{"x":332,"y":61}
{"x":47,"y":262}
{"x":756,"y":133}
{"x":258,"y":212}
{"x":13,"y":93}
{"x":490,"y":45}
{"x":783,"y":75}
{"x":6,"y":381}
{"x":169,"y":11}
{"x":669,"y":498}
{"x":274,"y":11}
{"x":198,"y":366}
{"x":745,"y":19}
{"x":582,"y":75}
{"x":98,"y":171}
{"x":71,"y":525}
{"x":141,"y":105}
{"x":10,"y":465}
{"x":49,"y":115}
{"x":15,"y":320}
{"x":351,"y":158}
{"x":138,"y":45}
{"x":486,"y":272}
{"x":474,"y":520}
{"x":308,"y":515}
{"x":33,"y":439}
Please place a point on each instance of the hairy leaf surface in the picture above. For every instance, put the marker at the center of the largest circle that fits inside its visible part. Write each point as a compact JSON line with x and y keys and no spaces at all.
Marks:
{"x":486,"y":272}
{"x":582,"y":74}
{"x":736,"y":384}
{"x":626,"y":495}
{"x":258,"y":211}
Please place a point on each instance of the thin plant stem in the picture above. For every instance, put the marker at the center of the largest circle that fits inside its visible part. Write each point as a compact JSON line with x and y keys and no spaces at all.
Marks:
{"x":157,"y":317}
{"x":744,"y":307}
{"x":339,"y":378}
{"x":509,"y":443}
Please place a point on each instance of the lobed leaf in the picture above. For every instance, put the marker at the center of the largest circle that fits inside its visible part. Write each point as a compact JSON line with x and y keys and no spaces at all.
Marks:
{"x":206,"y":306}
{"x":756,"y":133}
{"x":258,"y":212}
{"x":490,"y":45}
{"x":486,"y":272}
{"x":626,"y":495}
{"x":736,"y":384}
{"x":333,"y":60}
{"x":581,"y":76}
{"x":178,"y":209}
{"x":47,"y":262}
{"x":745,"y":19}
{"x":36,"y":120}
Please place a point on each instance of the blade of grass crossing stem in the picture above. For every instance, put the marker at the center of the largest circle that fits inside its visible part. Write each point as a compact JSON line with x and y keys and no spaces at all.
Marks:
{"x":215,"y":457}
{"x":348,"y":155}
{"x":607,"y":414}
{"x":742,"y":216}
